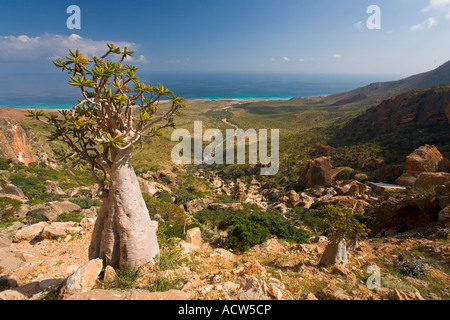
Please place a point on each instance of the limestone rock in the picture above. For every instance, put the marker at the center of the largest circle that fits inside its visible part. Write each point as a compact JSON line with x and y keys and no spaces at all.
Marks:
{"x":424,"y":159}
{"x":404,"y":214}
{"x":194,"y":237}
{"x":51,"y":210}
{"x":12,"y":295}
{"x":254,"y":268}
{"x":84,"y":278}
{"x":308,"y":296}
{"x":59,"y":229}
{"x":427,"y":179}
{"x":87,"y":223}
{"x":28,"y":233}
{"x":151,"y":188}
{"x":334,"y":292}
{"x":252,"y":289}
{"x":404,"y":295}
{"x":14,"y":143}
{"x":52,"y":187}
{"x":12,"y":190}
{"x":109,"y":275}
{"x":316,"y":173}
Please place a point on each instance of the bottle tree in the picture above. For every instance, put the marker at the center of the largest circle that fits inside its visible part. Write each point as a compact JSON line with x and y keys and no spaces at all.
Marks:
{"x":116,"y":113}
{"x":343,"y":225}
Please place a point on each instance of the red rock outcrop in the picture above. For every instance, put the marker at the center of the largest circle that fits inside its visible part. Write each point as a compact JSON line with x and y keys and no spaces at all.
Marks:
{"x":424,"y":167}
{"x":14,"y":143}
{"x":316,"y":173}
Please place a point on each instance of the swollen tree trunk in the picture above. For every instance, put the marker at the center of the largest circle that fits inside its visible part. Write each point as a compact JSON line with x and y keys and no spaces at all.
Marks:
{"x":123,"y":233}
{"x":335,"y":253}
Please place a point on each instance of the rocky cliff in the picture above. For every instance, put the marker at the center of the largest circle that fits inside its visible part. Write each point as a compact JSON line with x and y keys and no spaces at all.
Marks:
{"x":14,"y":143}
{"x":403,"y":123}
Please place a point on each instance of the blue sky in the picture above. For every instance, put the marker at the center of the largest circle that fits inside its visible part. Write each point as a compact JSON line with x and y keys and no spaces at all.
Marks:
{"x":233,"y":35}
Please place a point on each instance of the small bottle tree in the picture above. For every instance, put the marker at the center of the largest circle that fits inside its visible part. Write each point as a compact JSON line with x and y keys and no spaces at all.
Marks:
{"x":343,"y":225}
{"x":115,"y":113}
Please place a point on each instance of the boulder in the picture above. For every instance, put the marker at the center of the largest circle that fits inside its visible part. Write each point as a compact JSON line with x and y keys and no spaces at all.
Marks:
{"x":407,"y":179}
{"x":196,"y":205}
{"x":427,"y":179}
{"x":45,"y":230}
{"x":12,"y":295}
{"x":29,"y":233}
{"x":404,"y":214}
{"x":12,"y":190}
{"x":51,"y":210}
{"x":424,"y":159}
{"x":252,"y":289}
{"x":59,"y":229}
{"x":109,"y":274}
{"x":84,"y":277}
{"x":404,"y":295}
{"x":317,"y":172}
{"x":194,"y":237}
{"x":358,"y":189}
{"x":336,"y":173}
{"x":333,"y":292}
{"x":151,"y":188}
{"x":254,"y":268}
{"x":52,"y":187}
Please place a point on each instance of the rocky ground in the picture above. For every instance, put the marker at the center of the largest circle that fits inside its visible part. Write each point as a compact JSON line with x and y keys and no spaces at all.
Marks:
{"x":406,"y":256}
{"x":272,"y":270}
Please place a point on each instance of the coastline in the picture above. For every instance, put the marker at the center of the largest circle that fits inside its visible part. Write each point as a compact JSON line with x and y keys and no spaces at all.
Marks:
{"x":48,"y":108}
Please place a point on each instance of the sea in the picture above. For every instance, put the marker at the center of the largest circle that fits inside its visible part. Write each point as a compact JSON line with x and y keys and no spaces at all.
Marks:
{"x":51,"y":91}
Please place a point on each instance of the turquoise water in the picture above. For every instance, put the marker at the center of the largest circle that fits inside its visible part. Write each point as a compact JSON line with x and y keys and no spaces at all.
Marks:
{"x":51,"y":91}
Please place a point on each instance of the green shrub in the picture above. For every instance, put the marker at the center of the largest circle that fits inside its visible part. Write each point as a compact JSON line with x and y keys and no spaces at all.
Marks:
{"x":315,"y":221}
{"x":69,"y":216}
{"x":86,"y":202}
{"x":8,"y":208}
{"x":4,"y":164}
{"x":246,"y":235}
{"x":168,"y":211}
{"x":125,"y":278}
{"x":270,"y":221}
{"x":164,"y":196}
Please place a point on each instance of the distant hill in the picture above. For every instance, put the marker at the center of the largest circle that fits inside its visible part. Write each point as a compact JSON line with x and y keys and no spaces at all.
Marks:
{"x":377,"y":92}
{"x":404,"y":122}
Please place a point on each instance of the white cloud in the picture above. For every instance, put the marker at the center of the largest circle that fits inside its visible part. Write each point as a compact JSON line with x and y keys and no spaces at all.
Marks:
{"x":427,"y":24}
{"x":437,"y":5}
{"x":359,"y":25}
{"x":301,"y":60}
{"x":337,"y":56}
{"x":52,"y":46}
{"x":286,"y":59}
{"x":448,"y":15}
